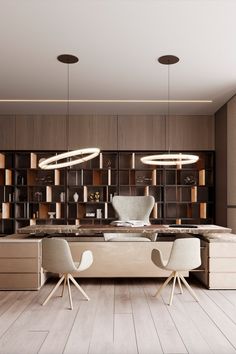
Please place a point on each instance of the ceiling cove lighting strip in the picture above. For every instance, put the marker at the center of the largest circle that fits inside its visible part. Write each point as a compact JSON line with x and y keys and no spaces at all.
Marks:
{"x":99,"y":101}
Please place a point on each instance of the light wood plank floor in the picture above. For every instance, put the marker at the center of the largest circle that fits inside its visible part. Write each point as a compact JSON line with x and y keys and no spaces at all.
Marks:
{"x":121,"y":317}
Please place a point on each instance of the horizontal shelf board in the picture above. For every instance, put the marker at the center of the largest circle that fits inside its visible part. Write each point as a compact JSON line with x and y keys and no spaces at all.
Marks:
{"x":3,"y":219}
{"x":90,"y":203}
{"x":91,"y":185}
{"x":141,"y":185}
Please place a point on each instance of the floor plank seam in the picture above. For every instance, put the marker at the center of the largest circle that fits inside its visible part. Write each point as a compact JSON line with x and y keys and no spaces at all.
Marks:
{"x":214,"y":322}
{"x":226,"y":314}
{"x":63,"y":350}
{"x":135,"y":330}
{"x":23,"y":310}
{"x":43,"y":341}
{"x":147,"y":299}
{"x":222,"y":292}
{"x":167,"y":307}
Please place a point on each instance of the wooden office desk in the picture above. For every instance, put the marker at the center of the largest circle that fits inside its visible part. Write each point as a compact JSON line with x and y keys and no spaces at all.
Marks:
{"x":100,"y":229}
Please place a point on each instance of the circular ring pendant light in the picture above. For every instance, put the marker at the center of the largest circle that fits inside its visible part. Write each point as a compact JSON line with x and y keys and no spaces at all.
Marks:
{"x":170,"y":159}
{"x":81,"y":155}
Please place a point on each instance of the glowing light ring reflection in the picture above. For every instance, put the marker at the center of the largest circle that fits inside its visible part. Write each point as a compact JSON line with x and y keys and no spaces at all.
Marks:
{"x":89,"y":152}
{"x":170,"y":159}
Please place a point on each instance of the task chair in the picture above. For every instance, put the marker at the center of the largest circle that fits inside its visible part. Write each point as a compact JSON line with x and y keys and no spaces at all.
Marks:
{"x":185,"y":255}
{"x":132,"y":208}
{"x":57,"y":258}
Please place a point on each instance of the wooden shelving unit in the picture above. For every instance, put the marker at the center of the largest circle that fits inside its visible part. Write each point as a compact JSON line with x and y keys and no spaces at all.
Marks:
{"x":83,"y":194}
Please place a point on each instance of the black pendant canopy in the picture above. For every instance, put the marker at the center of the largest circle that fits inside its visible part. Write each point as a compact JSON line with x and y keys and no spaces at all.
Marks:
{"x":67,"y":59}
{"x":168,"y":59}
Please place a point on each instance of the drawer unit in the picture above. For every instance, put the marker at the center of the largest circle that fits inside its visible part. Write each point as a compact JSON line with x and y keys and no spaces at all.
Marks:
{"x":220,"y":261}
{"x":20,"y":265}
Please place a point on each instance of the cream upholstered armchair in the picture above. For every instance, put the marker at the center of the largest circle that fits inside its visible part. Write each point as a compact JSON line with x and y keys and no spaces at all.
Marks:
{"x":132,"y":208}
{"x":57,"y":258}
{"x":185,"y":255}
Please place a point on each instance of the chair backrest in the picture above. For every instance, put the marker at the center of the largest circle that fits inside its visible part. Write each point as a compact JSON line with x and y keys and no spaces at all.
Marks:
{"x":57,"y":256}
{"x":134,"y":207}
{"x":185,"y":254}
{"x":86,"y":260}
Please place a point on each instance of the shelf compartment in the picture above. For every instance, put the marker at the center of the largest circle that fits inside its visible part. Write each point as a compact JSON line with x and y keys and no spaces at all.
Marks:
{"x":22,"y":160}
{"x":109,"y":160}
{"x":104,"y":177}
{"x":7,"y":194}
{"x":75,"y":177}
{"x":40,"y":177}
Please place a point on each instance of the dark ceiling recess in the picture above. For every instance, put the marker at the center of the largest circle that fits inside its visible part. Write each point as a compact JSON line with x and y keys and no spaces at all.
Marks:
{"x":168,"y":59}
{"x":67,"y":59}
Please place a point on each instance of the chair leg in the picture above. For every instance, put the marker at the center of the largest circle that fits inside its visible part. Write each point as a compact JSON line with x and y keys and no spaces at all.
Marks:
{"x":63,"y":289}
{"x":53,"y":290}
{"x":69,"y":291}
{"x":188,"y":287}
{"x":164,"y":284}
{"x":180,"y":286}
{"x":173,"y":289}
{"x":78,"y":286}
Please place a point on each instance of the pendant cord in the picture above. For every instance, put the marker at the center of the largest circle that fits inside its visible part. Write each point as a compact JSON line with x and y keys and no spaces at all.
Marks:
{"x":68,"y":106}
{"x":117,"y":133}
{"x":168,"y":107}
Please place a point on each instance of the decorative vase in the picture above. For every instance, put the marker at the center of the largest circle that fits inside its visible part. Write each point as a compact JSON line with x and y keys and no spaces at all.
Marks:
{"x":76,"y":197}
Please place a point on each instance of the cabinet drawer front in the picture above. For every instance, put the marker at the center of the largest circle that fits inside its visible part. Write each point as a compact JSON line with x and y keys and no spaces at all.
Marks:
{"x":222,"y":280}
{"x":122,"y":259}
{"x":19,"y":249}
{"x":19,"y":281}
{"x":222,"y":249}
{"x":222,"y":265}
{"x":19,"y":265}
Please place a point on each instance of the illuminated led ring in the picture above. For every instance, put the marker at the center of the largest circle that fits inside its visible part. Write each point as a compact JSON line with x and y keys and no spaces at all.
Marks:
{"x":170,"y":159}
{"x":89,"y":152}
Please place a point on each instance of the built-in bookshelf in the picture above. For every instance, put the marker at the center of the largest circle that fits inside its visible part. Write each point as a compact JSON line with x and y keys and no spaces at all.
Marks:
{"x":83,"y":194}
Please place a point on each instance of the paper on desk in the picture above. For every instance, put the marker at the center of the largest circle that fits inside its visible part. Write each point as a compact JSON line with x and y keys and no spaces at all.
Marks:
{"x":129,"y":223}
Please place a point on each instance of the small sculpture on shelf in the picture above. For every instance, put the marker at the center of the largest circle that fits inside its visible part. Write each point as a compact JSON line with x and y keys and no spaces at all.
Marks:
{"x":38,"y":196}
{"x":94,"y":197}
{"x":51,"y":214}
{"x":62,"y":197}
{"x":91,"y":197}
{"x":76,"y":197}
{"x":190,"y":180}
{"x":20,"y":180}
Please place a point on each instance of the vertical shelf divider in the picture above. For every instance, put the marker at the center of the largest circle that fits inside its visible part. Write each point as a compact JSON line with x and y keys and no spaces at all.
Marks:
{"x":58,"y":210}
{"x":33,"y":160}
{"x":56,"y":177}
{"x":2,"y":160}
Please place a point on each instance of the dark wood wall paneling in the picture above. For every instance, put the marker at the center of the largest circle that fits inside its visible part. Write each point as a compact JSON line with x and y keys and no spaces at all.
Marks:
{"x":93,"y":131}
{"x":41,"y":133}
{"x":141,"y":133}
{"x":221,"y":166}
{"x":191,"y":132}
{"x":134,"y":132}
{"x":7,"y":133}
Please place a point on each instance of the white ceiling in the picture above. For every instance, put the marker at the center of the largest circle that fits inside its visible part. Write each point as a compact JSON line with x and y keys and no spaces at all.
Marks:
{"x":117,"y":42}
